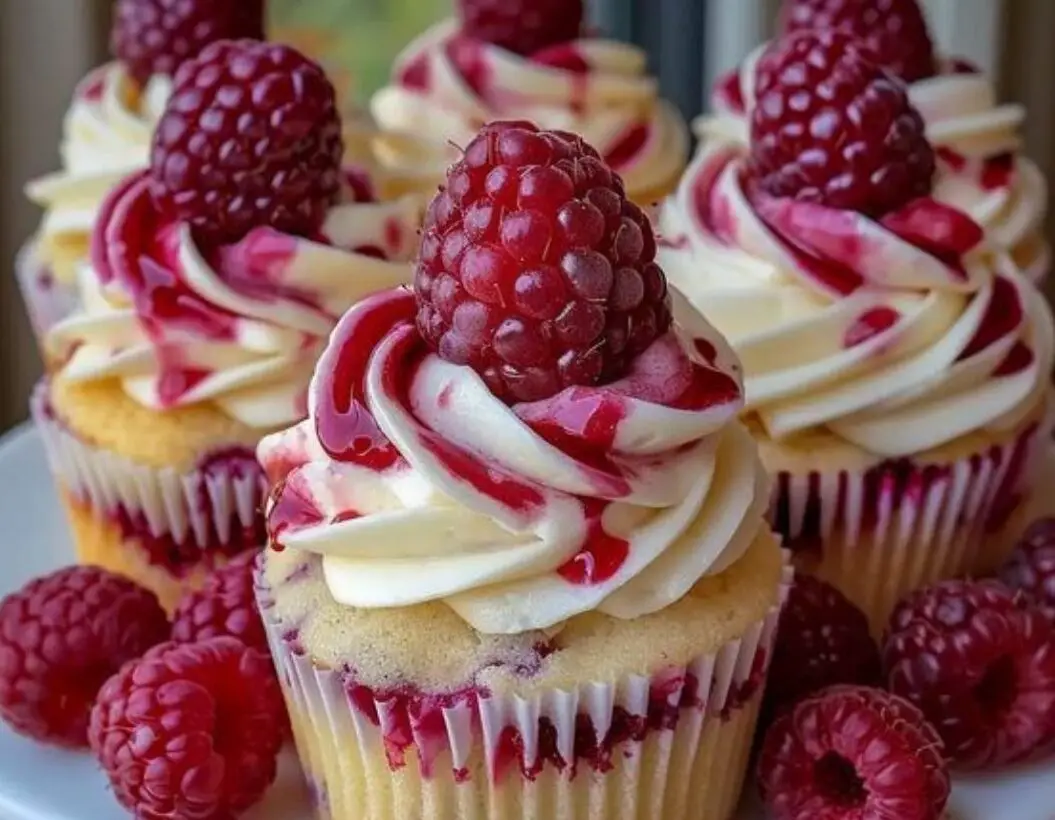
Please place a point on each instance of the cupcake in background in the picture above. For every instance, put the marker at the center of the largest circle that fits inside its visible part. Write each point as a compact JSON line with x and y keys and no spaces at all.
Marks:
{"x":520,"y":567}
{"x":977,"y":140}
{"x":107,"y":134}
{"x":896,"y":362}
{"x":215,"y":276}
{"x":527,"y":60}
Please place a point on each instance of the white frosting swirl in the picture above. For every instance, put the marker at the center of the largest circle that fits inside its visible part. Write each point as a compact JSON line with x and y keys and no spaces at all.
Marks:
{"x":897,"y":335}
{"x":446,"y":86}
{"x":616,"y":498}
{"x":241,"y":327}
{"x":106,"y":136}
{"x":981,"y":167}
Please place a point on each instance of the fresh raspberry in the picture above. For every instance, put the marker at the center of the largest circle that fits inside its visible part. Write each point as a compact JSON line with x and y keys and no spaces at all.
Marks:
{"x":225,"y":605}
{"x":155,"y":36}
{"x":1031,"y":568}
{"x":535,"y":269}
{"x":895,"y":30}
{"x":823,"y":640}
{"x":522,"y":26}
{"x":250,"y":138}
{"x":853,"y":752}
{"x":61,"y":637}
{"x":832,"y":127}
{"x":190,"y":730}
{"x":980,"y":666}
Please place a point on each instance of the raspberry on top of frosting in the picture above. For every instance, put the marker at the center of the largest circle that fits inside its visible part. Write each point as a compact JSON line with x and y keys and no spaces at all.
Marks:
{"x":438,"y":470}
{"x":110,"y":123}
{"x":980,"y":168}
{"x":196,"y":292}
{"x":460,"y":74}
{"x":859,"y":303}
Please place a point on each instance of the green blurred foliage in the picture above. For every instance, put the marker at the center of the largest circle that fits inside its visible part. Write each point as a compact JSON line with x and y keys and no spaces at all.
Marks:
{"x":355,"y":39}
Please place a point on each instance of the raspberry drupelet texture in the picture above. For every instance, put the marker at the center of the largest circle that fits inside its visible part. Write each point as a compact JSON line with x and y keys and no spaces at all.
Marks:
{"x":1031,"y":567}
{"x":535,"y":269}
{"x":823,"y":640}
{"x":830,"y":126}
{"x":895,"y":30}
{"x":190,"y":730}
{"x":522,"y":26}
{"x":225,"y":605}
{"x":980,"y":665}
{"x":250,"y":138}
{"x":61,"y":637}
{"x":853,"y":752}
{"x":156,"y":36}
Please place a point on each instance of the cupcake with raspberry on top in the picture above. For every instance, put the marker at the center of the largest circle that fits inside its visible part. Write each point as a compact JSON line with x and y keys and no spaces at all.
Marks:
{"x":108,"y":130}
{"x":519,"y":566}
{"x":215,"y":277}
{"x":981,"y":169}
{"x":896,"y":364}
{"x":531,"y":60}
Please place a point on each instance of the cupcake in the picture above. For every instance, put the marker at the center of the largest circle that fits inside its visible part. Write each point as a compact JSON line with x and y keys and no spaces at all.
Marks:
{"x":215,"y":277}
{"x":107,"y":133}
{"x":519,"y":565}
{"x":529,"y":60}
{"x":977,"y":140}
{"x":896,"y":361}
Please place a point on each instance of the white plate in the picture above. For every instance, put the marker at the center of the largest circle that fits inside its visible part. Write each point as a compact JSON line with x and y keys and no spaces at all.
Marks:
{"x":38,"y":783}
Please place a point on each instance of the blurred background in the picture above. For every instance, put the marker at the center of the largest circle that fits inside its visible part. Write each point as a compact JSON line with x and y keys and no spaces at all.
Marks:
{"x":47,"y":45}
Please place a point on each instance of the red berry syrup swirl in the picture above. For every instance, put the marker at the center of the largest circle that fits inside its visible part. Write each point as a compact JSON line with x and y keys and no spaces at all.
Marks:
{"x":469,"y":59}
{"x":135,"y":246}
{"x":943,"y":233}
{"x":379,"y":335}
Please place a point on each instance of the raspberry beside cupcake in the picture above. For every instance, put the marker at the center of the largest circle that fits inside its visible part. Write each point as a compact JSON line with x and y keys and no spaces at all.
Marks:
{"x":107,"y":134}
{"x":982,"y":170}
{"x":525,"y":60}
{"x":215,"y":277}
{"x":519,"y":558}
{"x":896,"y":361}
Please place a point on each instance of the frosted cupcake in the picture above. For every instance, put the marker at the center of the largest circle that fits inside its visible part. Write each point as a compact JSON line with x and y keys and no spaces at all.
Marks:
{"x":215,"y":277}
{"x":519,"y":562}
{"x":530,"y":61}
{"x":107,"y":133}
{"x":896,"y":363}
{"x":977,"y":140}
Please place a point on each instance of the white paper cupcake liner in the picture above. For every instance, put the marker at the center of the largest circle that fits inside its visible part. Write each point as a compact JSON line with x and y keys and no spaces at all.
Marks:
{"x":880,"y":534}
{"x":48,"y":299}
{"x":690,"y":763}
{"x":206,"y":507}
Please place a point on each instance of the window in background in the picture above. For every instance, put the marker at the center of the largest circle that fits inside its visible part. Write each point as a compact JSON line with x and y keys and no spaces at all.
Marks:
{"x":356,"y":40}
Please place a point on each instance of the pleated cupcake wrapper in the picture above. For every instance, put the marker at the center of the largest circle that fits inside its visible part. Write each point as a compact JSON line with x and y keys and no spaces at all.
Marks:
{"x":197,"y":507}
{"x":48,"y":299}
{"x":881,"y":533}
{"x":692,"y":767}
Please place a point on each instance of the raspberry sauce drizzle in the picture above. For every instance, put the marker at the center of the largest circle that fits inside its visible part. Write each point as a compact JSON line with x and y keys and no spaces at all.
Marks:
{"x":292,"y":510}
{"x":517,"y":496}
{"x":1003,"y":316}
{"x":135,"y":246}
{"x":345,"y":428}
{"x":603,"y":554}
{"x":870,"y":324}
{"x":629,"y":144}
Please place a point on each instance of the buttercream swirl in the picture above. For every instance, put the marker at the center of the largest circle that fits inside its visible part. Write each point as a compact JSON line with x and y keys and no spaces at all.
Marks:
{"x":898,"y":335}
{"x":106,"y":136}
{"x":981,"y":168}
{"x":446,"y":86}
{"x":240,"y":325}
{"x":415,"y":484}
